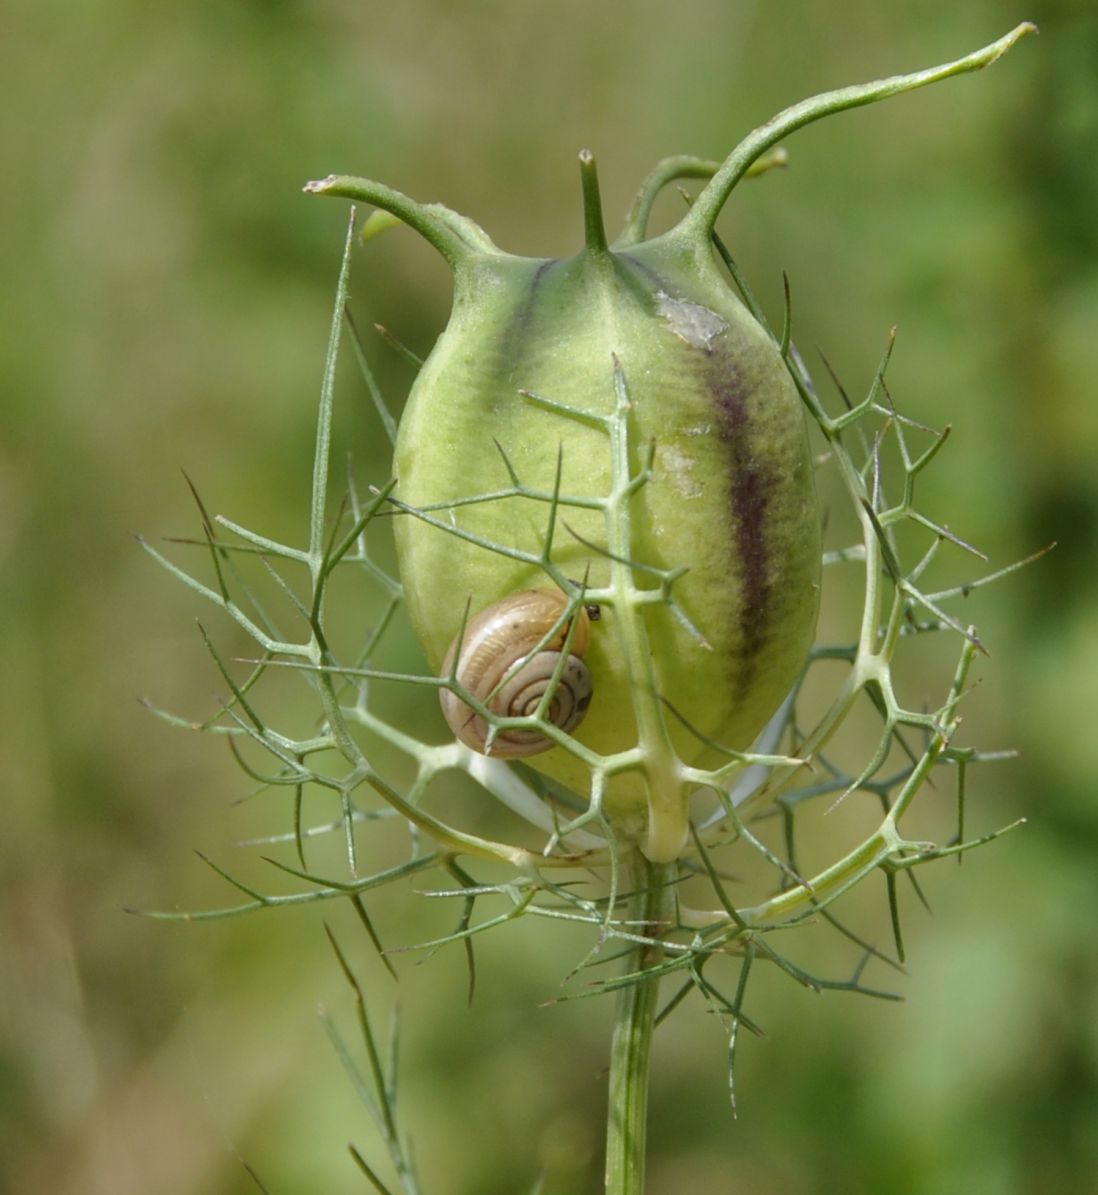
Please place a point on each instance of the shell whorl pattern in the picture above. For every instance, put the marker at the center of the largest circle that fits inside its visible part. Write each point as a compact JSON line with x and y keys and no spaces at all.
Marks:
{"x":509,"y":657}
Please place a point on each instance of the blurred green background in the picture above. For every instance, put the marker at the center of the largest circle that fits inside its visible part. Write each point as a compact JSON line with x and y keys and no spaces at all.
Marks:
{"x":167,"y":291}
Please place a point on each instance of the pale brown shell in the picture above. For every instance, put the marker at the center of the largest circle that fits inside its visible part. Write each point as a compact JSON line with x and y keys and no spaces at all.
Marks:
{"x":506,"y":662}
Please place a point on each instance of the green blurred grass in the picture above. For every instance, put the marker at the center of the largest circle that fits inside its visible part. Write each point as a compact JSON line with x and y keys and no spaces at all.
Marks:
{"x":166,"y":300}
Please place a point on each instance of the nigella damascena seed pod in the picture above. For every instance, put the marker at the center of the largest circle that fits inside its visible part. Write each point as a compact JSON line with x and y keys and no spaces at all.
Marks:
{"x":721,"y":518}
{"x":729,"y":501}
{"x":730,"y":498}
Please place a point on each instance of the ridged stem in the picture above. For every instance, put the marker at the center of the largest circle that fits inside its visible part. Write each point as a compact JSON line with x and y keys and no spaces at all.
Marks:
{"x":631,"y":1048}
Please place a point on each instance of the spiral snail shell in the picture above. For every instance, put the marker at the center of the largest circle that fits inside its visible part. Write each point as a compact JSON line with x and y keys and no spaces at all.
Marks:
{"x":506,"y":662}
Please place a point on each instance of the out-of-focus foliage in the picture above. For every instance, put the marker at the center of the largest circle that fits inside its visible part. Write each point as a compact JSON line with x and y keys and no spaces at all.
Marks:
{"x":165,"y":305}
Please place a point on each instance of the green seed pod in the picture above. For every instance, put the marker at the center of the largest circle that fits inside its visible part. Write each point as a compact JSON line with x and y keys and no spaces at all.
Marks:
{"x":729,"y":499}
{"x":695,"y":529}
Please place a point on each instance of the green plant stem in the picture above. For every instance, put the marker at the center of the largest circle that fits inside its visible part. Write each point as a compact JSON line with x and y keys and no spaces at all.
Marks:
{"x":631,"y":1048}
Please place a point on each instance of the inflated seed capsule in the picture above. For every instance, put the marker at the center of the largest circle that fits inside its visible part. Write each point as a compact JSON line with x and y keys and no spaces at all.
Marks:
{"x":724,"y":520}
{"x":730,"y":498}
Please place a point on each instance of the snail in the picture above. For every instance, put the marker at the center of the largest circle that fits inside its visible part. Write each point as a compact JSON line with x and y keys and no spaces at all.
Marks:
{"x":508,"y":657}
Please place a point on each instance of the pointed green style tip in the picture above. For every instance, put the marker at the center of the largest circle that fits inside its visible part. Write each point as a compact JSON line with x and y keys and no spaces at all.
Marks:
{"x":1012,"y":38}
{"x":319,"y":185}
{"x":699,"y":222}
{"x":453,"y":236}
{"x":593,"y":226}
